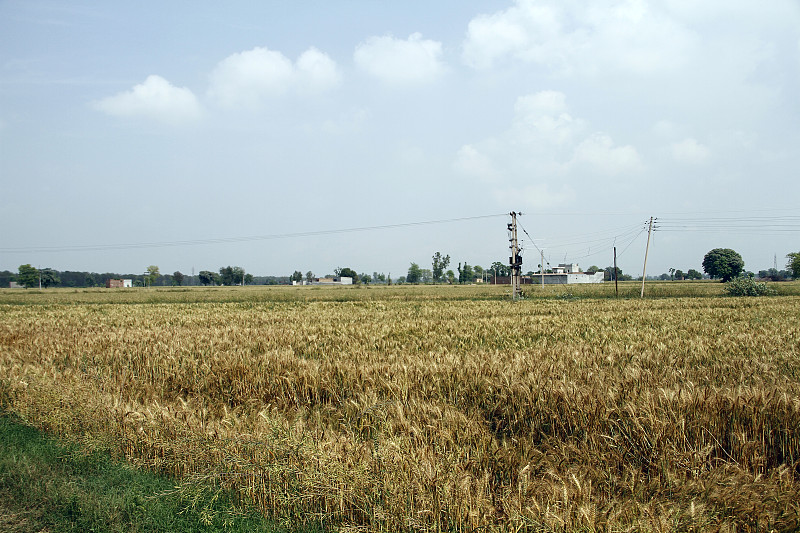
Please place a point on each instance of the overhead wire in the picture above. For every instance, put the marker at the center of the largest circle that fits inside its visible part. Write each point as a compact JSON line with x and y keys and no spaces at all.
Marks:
{"x":164,"y":244}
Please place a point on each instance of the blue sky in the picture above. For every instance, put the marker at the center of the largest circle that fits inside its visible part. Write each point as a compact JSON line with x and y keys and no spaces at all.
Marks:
{"x":180,"y":122}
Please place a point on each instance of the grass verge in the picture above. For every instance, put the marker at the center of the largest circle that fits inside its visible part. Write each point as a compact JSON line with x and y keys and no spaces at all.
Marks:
{"x":48,"y":486}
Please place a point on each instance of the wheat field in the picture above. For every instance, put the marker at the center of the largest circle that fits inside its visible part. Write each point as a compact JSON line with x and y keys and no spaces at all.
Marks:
{"x":431,"y":408}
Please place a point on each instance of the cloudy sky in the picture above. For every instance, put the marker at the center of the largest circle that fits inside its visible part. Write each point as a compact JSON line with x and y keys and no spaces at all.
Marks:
{"x":192,"y":135}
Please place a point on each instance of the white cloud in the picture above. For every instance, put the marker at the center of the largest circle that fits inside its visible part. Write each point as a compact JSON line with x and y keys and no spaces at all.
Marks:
{"x":599,"y":152}
{"x":415,"y":60}
{"x":317,"y":71}
{"x":630,"y":35}
{"x":246,"y":79}
{"x":155,"y":98}
{"x":543,"y":154}
{"x":471,"y":162}
{"x":517,"y":31}
{"x":689,"y":151}
{"x":544,"y":116}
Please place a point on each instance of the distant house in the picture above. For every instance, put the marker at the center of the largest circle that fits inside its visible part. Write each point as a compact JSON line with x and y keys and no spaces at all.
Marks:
{"x":563,"y":274}
{"x":337,"y":280}
{"x":119,"y":283}
{"x":15,"y":285}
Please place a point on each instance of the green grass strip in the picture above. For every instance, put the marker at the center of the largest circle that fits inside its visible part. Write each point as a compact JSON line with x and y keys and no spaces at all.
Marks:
{"x":48,"y":486}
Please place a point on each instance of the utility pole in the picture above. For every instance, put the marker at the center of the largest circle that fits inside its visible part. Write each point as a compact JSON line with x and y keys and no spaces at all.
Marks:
{"x":647,"y":248}
{"x":616,"y":283}
{"x":541,"y":270}
{"x":515,"y":261}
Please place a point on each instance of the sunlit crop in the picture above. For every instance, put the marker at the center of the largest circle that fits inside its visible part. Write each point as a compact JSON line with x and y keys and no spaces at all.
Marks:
{"x":431,"y":409}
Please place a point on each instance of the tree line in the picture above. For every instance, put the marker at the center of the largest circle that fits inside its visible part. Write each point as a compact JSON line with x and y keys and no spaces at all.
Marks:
{"x":719,"y":263}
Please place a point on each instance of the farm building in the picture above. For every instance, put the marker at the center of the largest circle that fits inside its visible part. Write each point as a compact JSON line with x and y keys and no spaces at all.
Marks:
{"x":338,"y":280}
{"x":563,"y":274}
{"x":119,"y":283}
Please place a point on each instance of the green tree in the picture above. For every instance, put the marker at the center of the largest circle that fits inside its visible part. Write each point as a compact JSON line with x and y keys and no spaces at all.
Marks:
{"x":439,"y":264}
{"x":28,"y":276}
{"x":232,"y":275}
{"x":451,"y":276}
{"x":723,"y":263}
{"x":693,"y":274}
{"x":365,"y":278}
{"x":6,"y":277}
{"x":499,"y":269}
{"x":296,"y":276}
{"x":207,"y":277}
{"x":347,"y":272}
{"x":593,"y":269}
{"x":177,"y":278}
{"x":678,"y":274}
{"x":414,"y":273}
{"x":794,"y":264}
{"x":309,"y":276}
{"x":248,"y":279}
{"x":49,"y":277}
{"x":465,"y":273}
{"x":152,"y":275}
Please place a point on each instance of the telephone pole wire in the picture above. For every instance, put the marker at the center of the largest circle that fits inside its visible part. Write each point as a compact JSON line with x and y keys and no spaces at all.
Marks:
{"x":647,"y":248}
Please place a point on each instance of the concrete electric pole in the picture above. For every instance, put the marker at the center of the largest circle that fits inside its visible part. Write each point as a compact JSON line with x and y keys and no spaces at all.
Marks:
{"x":647,"y":248}
{"x":515,"y":261}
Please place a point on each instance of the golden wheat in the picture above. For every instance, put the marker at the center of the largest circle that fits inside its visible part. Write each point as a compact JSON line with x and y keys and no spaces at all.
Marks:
{"x":431,"y":408}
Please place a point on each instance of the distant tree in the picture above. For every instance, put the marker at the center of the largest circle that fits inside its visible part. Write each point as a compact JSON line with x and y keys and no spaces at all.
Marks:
{"x":693,"y":274}
{"x":309,"y":276}
{"x":28,"y":276}
{"x":232,"y":275}
{"x":365,"y":278}
{"x":439,"y":264}
{"x":207,"y":277}
{"x":723,"y":263}
{"x":348,"y":273}
{"x":49,"y":277}
{"x":451,"y":276}
{"x":296,"y":276}
{"x":248,"y":279}
{"x":672,"y":273}
{"x":664,"y":276}
{"x":774,"y":275}
{"x":425,"y":275}
{"x":592,"y":269}
{"x":6,"y":277}
{"x":611,"y":275}
{"x":500,"y":269}
{"x":678,"y":274}
{"x":414,"y":274}
{"x":465,"y":273}
{"x":794,"y":264}
{"x":177,"y":278}
{"x":152,"y":275}
{"x":401,"y":280}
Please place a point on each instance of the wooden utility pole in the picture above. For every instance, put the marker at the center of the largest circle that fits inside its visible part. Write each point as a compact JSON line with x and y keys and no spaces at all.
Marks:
{"x":647,"y":248}
{"x":616,"y":283}
{"x":515,"y":261}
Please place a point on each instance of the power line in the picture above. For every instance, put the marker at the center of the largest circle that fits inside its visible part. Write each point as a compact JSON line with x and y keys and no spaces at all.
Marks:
{"x":167,"y":244}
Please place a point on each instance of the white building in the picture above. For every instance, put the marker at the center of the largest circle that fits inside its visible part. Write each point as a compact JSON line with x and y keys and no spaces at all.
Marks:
{"x":568,"y":274}
{"x":337,"y":280}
